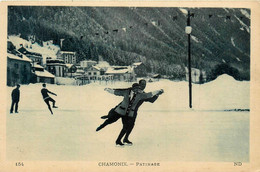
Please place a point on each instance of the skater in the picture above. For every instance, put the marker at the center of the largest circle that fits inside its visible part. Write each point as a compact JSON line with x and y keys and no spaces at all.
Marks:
{"x":15,"y":99}
{"x":126,"y":107}
{"x":131,"y":121}
{"x":47,"y":98}
{"x":142,"y":84}
{"x":113,"y":116}
{"x":128,"y":120}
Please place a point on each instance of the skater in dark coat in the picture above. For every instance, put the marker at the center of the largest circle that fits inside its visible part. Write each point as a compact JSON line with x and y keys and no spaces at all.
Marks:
{"x":47,"y":98}
{"x":142,"y":84}
{"x":128,"y":120}
{"x":126,"y":107}
{"x":15,"y":99}
{"x":131,"y":121}
{"x":113,"y":116}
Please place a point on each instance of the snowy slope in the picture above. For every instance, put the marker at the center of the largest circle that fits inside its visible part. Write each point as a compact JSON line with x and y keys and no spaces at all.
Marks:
{"x":47,"y":50}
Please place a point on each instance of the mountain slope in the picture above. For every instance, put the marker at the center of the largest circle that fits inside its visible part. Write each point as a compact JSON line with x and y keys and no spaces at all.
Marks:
{"x":155,"y":36}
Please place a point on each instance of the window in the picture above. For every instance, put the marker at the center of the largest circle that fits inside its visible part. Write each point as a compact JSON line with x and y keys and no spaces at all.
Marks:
{"x":59,"y":72}
{"x":16,"y":65}
{"x":95,"y":73}
{"x":89,"y":73}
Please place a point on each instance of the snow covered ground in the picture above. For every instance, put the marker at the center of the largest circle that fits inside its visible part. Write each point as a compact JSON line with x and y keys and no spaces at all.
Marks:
{"x":166,"y":130}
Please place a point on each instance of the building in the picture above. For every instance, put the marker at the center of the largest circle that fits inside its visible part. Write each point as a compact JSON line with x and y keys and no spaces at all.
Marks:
{"x":197,"y":76}
{"x":56,"y":67}
{"x":140,"y":69}
{"x":70,"y":70}
{"x":18,"y":69}
{"x":93,"y":73}
{"x":68,"y":57}
{"x":41,"y":75}
{"x":80,"y":71}
{"x":35,"y":57}
{"x":121,"y":73}
{"x":87,"y":63}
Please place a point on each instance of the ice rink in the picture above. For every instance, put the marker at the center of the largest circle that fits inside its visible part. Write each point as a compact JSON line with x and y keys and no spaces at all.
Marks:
{"x":166,"y":130}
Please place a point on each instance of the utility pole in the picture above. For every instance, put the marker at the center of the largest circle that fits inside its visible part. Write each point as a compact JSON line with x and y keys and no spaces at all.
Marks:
{"x":188,"y":32}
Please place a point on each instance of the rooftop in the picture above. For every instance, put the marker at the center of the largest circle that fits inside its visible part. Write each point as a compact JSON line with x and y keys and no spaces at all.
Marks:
{"x":44,"y":74}
{"x":15,"y":57}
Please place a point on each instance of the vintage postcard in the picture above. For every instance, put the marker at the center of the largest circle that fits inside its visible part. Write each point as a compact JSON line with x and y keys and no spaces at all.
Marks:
{"x":130,"y":86}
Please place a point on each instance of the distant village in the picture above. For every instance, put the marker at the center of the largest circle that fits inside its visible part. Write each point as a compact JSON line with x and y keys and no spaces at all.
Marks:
{"x":28,"y":62}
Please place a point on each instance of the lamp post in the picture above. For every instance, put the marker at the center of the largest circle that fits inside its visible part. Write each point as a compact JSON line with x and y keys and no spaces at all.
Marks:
{"x":188,"y":30}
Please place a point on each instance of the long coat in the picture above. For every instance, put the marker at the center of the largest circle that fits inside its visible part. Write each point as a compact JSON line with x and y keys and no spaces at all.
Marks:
{"x":126,"y":107}
{"x":16,"y":95}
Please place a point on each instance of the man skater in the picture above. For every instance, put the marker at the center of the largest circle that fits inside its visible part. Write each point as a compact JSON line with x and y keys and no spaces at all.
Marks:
{"x":126,"y":107}
{"x":142,"y":84}
{"x":47,"y":98}
{"x":131,"y":121}
{"x":129,"y":118}
{"x":113,"y":116}
{"x":15,"y":99}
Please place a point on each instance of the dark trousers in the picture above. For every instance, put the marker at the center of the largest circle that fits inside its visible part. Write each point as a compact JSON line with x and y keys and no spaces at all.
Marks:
{"x":47,"y":101}
{"x":113,"y":117}
{"x":128,"y":125}
{"x":14,"y":102}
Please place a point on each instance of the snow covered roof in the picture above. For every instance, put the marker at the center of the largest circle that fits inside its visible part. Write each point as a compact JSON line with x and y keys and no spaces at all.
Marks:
{"x":119,"y":71}
{"x":80,"y":71}
{"x":23,"y":58}
{"x":37,"y":66}
{"x":95,"y":67}
{"x":29,"y":53}
{"x":103,"y":64}
{"x":44,"y":73}
{"x":67,"y":52}
{"x":121,"y":67}
{"x":137,"y":64}
{"x":69,"y":65}
{"x":88,"y":61}
{"x":156,"y":76}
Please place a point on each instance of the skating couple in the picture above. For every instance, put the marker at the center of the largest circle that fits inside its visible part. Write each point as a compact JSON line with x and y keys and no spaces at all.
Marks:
{"x":127,"y":109}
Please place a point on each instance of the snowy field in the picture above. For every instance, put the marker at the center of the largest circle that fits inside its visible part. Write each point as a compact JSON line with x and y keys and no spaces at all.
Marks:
{"x":166,"y":130}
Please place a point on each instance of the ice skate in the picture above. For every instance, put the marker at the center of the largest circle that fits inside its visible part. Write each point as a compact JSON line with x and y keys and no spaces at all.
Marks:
{"x":128,"y":143}
{"x":119,"y":144}
{"x":104,"y":117}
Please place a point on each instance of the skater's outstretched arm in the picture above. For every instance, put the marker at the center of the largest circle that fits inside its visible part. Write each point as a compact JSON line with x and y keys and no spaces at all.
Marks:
{"x":152,"y":100}
{"x":116,"y":91}
{"x":152,"y":94}
{"x":51,"y":93}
